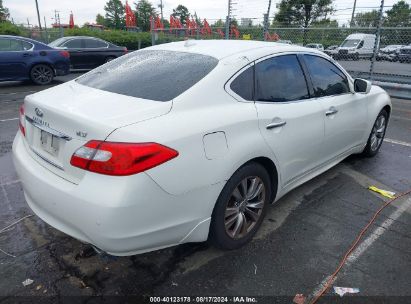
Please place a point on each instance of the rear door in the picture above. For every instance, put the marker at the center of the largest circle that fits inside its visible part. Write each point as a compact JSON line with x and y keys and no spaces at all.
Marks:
{"x":345,"y":113}
{"x":96,"y":52}
{"x":291,"y":122}
{"x":75,"y":47}
{"x":14,"y":55}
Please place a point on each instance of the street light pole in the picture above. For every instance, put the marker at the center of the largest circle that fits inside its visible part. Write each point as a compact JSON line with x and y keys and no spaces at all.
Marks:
{"x":38,"y":14}
{"x":353,"y":14}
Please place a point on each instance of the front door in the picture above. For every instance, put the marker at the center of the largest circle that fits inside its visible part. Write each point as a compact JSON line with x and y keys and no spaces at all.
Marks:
{"x":290,"y":121}
{"x":345,"y":113}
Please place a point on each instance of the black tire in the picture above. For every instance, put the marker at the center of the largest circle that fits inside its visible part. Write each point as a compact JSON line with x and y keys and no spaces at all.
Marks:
{"x":371,"y":149}
{"x":218,"y":235}
{"x":41,"y":74}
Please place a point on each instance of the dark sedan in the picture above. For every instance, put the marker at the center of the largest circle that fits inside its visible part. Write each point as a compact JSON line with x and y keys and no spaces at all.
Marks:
{"x":27,"y":59}
{"x":88,"y":52}
{"x":404,"y":54}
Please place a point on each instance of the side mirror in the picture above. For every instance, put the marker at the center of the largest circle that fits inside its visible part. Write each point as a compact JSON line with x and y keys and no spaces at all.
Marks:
{"x":362,"y":86}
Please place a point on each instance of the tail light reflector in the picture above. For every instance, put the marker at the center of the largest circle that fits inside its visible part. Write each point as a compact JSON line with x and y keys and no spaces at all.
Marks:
{"x":65,"y":54}
{"x":125,"y":50}
{"x":22,"y":120}
{"x":120,"y":159}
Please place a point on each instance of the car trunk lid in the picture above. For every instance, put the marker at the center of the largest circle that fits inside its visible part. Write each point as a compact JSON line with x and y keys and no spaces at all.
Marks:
{"x":63,"y":118}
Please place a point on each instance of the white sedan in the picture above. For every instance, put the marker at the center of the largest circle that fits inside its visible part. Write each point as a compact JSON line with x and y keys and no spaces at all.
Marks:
{"x":189,"y":141}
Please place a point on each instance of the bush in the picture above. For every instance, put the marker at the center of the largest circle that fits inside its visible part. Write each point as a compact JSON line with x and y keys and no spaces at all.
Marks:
{"x":8,"y":28}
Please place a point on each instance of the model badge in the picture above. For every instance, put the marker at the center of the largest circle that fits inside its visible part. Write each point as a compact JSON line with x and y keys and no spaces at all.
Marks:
{"x":81,"y":134}
{"x":39,"y":112}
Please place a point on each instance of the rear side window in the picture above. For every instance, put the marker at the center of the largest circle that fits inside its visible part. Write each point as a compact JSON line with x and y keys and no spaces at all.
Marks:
{"x":280,"y":79}
{"x":74,"y":44}
{"x":13,"y":45}
{"x":156,"y":75}
{"x":326,"y":77}
{"x":243,"y":85}
{"x":94,"y":44}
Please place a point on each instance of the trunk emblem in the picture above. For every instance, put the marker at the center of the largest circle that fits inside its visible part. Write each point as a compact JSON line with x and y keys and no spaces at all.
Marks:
{"x":39,"y":112}
{"x":81,"y":134}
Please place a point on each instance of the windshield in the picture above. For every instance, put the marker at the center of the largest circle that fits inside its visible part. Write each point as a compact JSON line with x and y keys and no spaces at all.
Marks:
{"x":350,"y":43}
{"x":154,"y":75}
{"x":57,"y":42}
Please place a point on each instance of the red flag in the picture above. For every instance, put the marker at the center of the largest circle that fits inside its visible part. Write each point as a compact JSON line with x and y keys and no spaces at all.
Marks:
{"x":221,"y":33}
{"x":158,"y":23}
{"x":206,"y":30}
{"x":130,"y":16}
{"x":71,"y":23}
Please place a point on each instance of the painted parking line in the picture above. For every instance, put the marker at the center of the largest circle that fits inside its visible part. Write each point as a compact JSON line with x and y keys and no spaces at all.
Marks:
{"x":397,"y":142}
{"x":9,"y":119}
{"x":364,"y":245}
{"x":14,"y":93}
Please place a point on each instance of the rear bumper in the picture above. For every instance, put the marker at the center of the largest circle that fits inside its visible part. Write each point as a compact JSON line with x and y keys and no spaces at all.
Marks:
{"x":120,"y":215}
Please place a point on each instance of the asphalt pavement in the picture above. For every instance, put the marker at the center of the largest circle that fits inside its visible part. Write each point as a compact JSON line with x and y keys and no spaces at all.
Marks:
{"x":300,"y":243}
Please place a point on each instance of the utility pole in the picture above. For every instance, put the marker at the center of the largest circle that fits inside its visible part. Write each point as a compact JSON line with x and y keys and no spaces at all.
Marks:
{"x":267,"y":20}
{"x":45,"y":28}
{"x":161,"y":9}
{"x":353,"y":14}
{"x":377,"y":40}
{"x":228,"y":19}
{"x":38,"y":14}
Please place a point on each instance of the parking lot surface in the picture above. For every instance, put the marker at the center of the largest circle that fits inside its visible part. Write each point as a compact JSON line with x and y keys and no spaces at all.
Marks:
{"x":301,"y":241}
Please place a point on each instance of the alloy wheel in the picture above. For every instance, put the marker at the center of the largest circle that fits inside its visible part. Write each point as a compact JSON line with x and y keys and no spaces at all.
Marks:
{"x":245,"y":207}
{"x":378,"y":132}
{"x":42,"y":74}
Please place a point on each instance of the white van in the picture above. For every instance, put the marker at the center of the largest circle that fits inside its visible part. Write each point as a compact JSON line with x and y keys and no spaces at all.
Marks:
{"x":356,"y":46}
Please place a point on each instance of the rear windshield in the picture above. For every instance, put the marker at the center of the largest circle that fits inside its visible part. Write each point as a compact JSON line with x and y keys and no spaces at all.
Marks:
{"x":156,"y":75}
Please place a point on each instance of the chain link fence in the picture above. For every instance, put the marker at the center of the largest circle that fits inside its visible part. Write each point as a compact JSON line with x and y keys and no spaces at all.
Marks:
{"x":382,"y":54}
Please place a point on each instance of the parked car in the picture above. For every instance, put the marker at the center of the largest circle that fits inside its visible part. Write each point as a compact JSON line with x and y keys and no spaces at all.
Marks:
{"x":134,"y":156}
{"x":404,"y":54}
{"x":331,"y":50}
{"x":284,"y":41}
{"x":388,"y":53}
{"x":316,"y":46}
{"x":356,"y":46}
{"x":26,"y":59}
{"x":88,"y":52}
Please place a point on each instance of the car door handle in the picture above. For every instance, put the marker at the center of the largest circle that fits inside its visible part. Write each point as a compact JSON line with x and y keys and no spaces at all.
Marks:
{"x":276,"y":124}
{"x":26,"y":55}
{"x":331,"y":111}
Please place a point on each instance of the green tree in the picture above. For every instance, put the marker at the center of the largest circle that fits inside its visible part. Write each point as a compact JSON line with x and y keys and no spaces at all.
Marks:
{"x":4,"y":12}
{"x":100,"y":20}
{"x":144,"y":10}
{"x":399,"y":15}
{"x":219,"y":23}
{"x":367,"y":19}
{"x":182,"y":13}
{"x":325,"y":23}
{"x":196,"y":18}
{"x":302,"y":12}
{"x":114,"y":14}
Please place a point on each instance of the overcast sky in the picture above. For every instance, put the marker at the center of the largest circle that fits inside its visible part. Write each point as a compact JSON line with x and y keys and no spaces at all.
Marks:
{"x":86,"y":10}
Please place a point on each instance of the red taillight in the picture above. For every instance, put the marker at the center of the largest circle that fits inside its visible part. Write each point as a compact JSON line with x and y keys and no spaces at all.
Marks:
{"x":22,"y":120}
{"x":116,"y":158}
{"x":65,"y":54}
{"x":125,"y":50}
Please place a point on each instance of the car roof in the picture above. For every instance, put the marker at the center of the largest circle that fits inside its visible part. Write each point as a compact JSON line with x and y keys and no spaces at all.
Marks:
{"x":225,"y":48}
{"x":83,"y":37}
{"x":32,"y":41}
